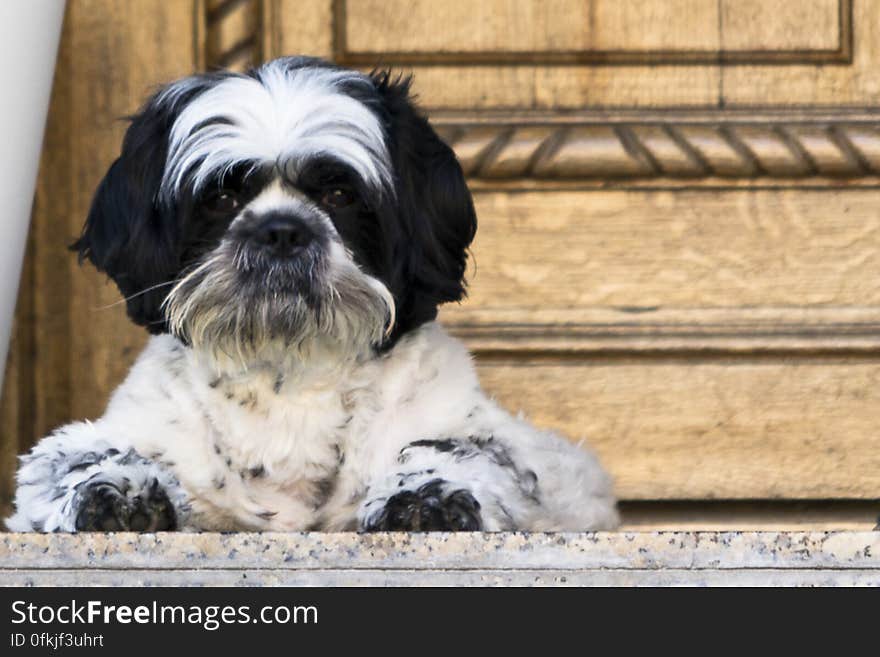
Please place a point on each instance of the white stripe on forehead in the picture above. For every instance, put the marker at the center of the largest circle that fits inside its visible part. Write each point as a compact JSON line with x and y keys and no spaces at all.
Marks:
{"x":287,"y":114}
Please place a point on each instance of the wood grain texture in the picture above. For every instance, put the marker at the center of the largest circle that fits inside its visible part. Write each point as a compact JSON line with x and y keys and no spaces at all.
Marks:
{"x":647,"y":330}
{"x":856,"y":83}
{"x":688,"y":249}
{"x":765,"y":515}
{"x":797,"y":25}
{"x":530,"y":87}
{"x":528,"y":26}
{"x":305,"y":28}
{"x":774,"y":35}
{"x":233,"y":33}
{"x":50,"y":261}
{"x":591,"y":32}
{"x":769,"y":53}
{"x":710,"y":428}
{"x":314,"y":27}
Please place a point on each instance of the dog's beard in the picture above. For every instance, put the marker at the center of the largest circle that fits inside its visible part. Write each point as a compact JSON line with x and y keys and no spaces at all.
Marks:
{"x":243,"y":309}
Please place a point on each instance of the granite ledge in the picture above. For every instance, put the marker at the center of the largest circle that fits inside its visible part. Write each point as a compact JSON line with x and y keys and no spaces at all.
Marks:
{"x":523,"y":559}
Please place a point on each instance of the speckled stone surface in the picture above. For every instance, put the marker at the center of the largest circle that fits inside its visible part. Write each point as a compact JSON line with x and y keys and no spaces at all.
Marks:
{"x":399,"y":559}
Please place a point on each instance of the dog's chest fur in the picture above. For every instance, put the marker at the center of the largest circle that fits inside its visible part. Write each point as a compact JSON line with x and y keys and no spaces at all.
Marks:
{"x":270,"y":450}
{"x":283,"y":448}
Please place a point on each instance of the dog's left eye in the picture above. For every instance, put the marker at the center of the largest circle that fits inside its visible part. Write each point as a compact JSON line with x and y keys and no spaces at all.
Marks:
{"x":337,"y":197}
{"x":223,"y":201}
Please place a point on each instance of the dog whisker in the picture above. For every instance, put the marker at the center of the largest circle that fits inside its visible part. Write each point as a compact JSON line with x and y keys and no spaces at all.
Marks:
{"x":135,"y":295}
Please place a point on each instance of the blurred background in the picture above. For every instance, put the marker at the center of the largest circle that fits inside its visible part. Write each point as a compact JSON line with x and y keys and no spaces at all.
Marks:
{"x":679,"y":211}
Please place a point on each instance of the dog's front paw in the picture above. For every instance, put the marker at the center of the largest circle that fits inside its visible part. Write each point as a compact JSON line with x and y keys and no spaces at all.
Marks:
{"x":103,"y":507}
{"x":428,"y":508}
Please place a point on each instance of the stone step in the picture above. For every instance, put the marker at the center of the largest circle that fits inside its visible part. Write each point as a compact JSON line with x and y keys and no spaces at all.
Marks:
{"x":842,"y":558}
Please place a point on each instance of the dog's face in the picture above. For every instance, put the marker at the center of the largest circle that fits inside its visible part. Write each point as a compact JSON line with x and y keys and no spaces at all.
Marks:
{"x":299,"y":207}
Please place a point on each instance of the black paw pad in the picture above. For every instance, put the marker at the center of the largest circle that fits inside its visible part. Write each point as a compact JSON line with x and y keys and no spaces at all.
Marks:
{"x":429,"y":509}
{"x":105,"y":508}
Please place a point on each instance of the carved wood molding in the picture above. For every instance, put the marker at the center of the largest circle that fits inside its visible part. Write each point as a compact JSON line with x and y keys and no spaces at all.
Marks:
{"x":747,"y":144}
{"x":850,"y":331}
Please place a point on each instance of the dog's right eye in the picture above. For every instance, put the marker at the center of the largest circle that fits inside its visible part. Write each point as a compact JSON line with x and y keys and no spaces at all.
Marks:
{"x":337,"y":198}
{"x":224,"y":201}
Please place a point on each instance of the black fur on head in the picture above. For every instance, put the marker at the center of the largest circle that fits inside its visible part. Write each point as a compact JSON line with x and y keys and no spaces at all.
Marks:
{"x":128,"y":234}
{"x":413,"y":238}
{"x":434,"y":221}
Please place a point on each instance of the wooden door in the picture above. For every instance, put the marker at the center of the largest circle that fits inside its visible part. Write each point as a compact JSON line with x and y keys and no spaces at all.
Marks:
{"x":678,"y":201}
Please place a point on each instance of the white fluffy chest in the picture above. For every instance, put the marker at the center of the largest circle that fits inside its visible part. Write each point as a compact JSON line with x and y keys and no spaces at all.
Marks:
{"x":275,"y":450}
{"x":268,"y":451}
{"x":285,"y":434}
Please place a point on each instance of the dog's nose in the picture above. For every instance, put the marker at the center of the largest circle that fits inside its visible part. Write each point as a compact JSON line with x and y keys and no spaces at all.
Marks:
{"x":283,"y":234}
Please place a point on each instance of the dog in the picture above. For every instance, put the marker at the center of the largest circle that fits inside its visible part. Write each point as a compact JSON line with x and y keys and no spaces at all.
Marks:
{"x":287,"y":236}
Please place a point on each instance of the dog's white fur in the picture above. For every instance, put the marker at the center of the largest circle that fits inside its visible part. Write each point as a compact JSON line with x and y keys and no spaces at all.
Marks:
{"x":285,"y":116}
{"x":425,"y":388}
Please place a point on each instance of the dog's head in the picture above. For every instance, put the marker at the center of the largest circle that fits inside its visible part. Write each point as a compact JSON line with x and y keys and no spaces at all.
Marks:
{"x":298,"y":206}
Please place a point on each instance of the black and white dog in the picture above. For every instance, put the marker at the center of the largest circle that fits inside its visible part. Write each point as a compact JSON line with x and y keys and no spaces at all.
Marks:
{"x":287,"y":235}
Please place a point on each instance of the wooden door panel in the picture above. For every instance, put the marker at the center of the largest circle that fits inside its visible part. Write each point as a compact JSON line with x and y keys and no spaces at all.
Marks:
{"x":677,"y":330}
{"x":644,"y":251}
{"x":511,"y":30}
{"x":806,"y":29}
{"x":576,"y":54}
{"x":587,"y":31}
{"x":694,"y":427}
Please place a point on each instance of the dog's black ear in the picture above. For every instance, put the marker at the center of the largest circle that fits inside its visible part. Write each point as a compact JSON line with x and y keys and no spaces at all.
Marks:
{"x":435,"y":210}
{"x":129,"y":234}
